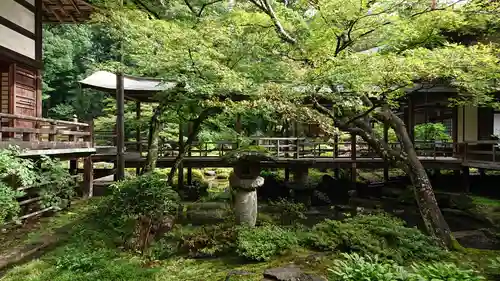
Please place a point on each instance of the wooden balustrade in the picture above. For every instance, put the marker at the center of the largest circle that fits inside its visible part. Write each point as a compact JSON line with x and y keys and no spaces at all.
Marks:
{"x":286,"y":147}
{"x":29,"y":132}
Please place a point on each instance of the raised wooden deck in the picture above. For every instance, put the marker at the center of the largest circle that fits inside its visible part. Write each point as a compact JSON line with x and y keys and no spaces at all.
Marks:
{"x":36,"y":136}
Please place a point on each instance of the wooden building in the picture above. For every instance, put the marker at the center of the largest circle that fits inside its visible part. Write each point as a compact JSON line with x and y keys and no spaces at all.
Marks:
{"x":21,"y":50}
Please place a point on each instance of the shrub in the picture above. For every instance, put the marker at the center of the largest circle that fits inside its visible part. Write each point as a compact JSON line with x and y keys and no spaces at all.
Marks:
{"x":263,"y":242}
{"x":211,"y":241}
{"x":146,"y":202}
{"x":147,"y":195}
{"x":16,"y":172}
{"x":9,"y":207}
{"x":289,"y":212}
{"x":222,"y":176}
{"x":445,"y":272}
{"x":377,"y":234}
{"x":61,"y":188}
{"x":354,"y":267}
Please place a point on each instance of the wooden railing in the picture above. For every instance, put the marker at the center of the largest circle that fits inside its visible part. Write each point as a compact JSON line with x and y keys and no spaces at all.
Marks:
{"x":29,"y":132}
{"x":284,"y":147}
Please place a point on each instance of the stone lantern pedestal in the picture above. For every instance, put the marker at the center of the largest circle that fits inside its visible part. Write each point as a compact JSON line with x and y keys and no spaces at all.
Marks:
{"x":244,"y":181}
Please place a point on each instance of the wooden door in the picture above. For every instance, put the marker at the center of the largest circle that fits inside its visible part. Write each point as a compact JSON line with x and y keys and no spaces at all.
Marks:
{"x":25,"y":100}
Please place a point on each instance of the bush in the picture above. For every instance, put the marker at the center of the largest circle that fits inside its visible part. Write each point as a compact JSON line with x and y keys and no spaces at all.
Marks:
{"x":222,"y":176}
{"x":445,"y":272}
{"x":147,"y":195}
{"x":16,"y":172}
{"x":61,"y":188}
{"x":141,"y":208}
{"x":378,"y":234}
{"x":289,"y":212}
{"x":205,"y":241}
{"x":263,"y":242}
{"x":355,"y":268}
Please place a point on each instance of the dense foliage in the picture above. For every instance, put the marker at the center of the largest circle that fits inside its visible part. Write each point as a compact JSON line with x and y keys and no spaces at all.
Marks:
{"x":381,"y":235}
{"x":355,"y":267}
{"x":147,"y":195}
{"x":48,"y":176}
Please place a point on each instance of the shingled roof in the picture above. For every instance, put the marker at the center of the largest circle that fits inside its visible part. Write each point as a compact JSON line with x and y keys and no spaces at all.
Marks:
{"x":66,"y":11}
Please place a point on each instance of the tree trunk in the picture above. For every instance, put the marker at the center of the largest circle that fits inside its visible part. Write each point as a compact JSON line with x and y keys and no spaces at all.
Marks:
{"x":204,"y":115}
{"x":154,"y":132}
{"x":433,"y":219}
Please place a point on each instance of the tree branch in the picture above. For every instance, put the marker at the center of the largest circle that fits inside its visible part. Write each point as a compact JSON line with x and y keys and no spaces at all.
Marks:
{"x":205,"y":5}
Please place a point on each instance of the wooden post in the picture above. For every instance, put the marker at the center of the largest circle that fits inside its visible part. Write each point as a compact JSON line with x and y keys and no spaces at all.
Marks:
{"x":411,"y":119}
{"x":466,"y":179}
{"x":120,"y":127}
{"x":88,"y":177}
{"x":73,"y":166}
{"x":180,"y":172}
{"x":353,"y":164}
{"x":386,"y":163}
{"x":189,"y":169}
{"x":336,"y":171}
{"x":138,"y":136}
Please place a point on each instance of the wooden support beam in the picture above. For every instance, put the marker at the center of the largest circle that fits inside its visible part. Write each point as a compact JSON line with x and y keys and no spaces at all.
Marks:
{"x":386,"y":140}
{"x":138,"y":136}
{"x":88,"y":177}
{"x":466,"y":179}
{"x":120,"y":127}
{"x":353,"y":158}
{"x":336,"y":171}
{"x":180,"y":173}
{"x":189,"y":169}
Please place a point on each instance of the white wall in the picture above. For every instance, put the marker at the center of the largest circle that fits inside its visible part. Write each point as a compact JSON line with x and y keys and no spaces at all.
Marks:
{"x":470,"y":121}
{"x":10,"y":39}
{"x":17,"y":42}
{"x":18,"y":14}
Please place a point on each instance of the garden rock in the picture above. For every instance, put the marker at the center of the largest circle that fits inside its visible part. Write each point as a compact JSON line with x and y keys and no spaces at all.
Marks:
{"x":289,"y":273}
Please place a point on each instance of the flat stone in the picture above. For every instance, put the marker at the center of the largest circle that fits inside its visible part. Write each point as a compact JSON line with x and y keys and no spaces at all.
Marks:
{"x":289,"y":273}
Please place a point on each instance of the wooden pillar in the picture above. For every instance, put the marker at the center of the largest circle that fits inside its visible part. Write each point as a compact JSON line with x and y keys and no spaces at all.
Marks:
{"x":410,"y":125}
{"x":466,"y":179}
{"x":482,"y":172}
{"x":120,"y":127}
{"x":189,"y":169}
{"x":88,"y":177}
{"x":454,"y":130}
{"x":180,"y":172}
{"x":353,"y":164}
{"x":138,"y":136}
{"x":73,"y":166}
{"x":386,"y":163}
{"x":336,"y":171}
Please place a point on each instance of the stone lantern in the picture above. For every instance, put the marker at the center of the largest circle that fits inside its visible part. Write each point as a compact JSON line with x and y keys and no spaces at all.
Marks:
{"x":244,"y":181}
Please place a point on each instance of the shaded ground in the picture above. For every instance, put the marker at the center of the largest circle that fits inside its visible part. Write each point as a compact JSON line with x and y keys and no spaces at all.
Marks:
{"x":87,"y":252}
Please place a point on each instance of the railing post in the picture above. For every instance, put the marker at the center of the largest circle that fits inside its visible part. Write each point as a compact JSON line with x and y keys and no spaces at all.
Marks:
{"x":278,"y":148}
{"x":297,"y":148}
{"x":353,"y":164}
{"x":466,"y":148}
{"x":494,"y":152}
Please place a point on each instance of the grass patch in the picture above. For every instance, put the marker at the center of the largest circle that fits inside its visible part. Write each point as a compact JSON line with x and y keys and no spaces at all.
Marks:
{"x":484,"y":201}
